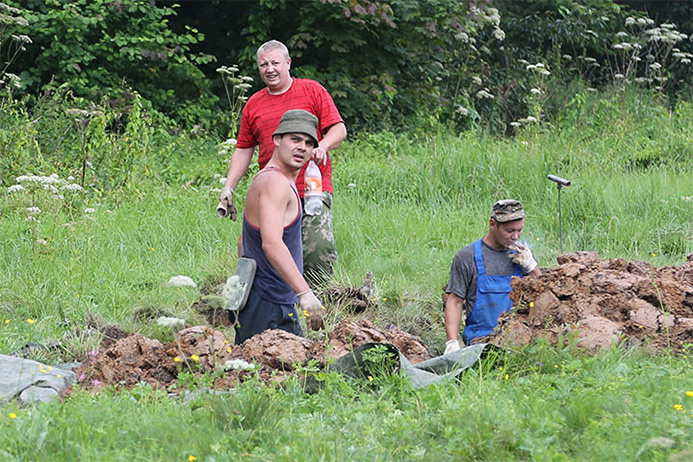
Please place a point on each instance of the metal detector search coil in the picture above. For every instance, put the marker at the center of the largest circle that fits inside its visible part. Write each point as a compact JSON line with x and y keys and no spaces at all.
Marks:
{"x":559,"y":180}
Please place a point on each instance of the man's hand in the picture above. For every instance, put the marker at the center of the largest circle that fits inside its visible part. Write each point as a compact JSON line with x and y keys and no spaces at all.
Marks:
{"x":226,"y":204}
{"x":451,"y":346}
{"x":523,"y":257}
{"x":319,"y":155}
{"x":312,"y":308}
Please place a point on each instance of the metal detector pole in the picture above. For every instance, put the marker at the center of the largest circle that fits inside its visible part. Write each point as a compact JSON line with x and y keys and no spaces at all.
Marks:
{"x":560,"y":182}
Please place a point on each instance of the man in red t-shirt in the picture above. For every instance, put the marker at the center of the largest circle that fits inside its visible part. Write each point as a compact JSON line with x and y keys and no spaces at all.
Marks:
{"x":261,"y":116}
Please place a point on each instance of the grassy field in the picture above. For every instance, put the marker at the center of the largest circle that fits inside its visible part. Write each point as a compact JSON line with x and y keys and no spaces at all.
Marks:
{"x":404,"y":205}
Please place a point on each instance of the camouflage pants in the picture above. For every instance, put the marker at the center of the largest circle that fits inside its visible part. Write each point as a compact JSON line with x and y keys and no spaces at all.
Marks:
{"x":319,"y":251}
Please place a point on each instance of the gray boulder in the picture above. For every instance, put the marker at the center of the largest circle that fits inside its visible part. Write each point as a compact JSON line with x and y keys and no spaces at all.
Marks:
{"x":30,"y":381}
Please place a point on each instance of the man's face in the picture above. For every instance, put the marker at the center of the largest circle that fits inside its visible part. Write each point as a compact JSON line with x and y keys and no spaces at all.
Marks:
{"x":274,"y":69}
{"x":506,"y":235}
{"x":295,"y":149}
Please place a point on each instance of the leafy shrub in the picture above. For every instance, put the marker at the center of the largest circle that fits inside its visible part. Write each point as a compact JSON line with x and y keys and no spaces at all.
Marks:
{"x":102,"y":48}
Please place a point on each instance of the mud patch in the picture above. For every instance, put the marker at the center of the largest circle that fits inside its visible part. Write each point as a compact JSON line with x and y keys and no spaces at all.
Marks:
{"x":598,"y":302}
{"x":275,"y":354}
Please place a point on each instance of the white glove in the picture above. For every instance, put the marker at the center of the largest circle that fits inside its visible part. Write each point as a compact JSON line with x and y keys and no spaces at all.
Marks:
{"x":523,"y":257}
{"x":226,"y":207}
{"x":451,"y":346}
{"x":312,"y":308}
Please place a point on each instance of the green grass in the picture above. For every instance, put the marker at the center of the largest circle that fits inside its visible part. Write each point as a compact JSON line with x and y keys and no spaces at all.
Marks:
{"x":403,"y":206}
{"x":539,"y":404}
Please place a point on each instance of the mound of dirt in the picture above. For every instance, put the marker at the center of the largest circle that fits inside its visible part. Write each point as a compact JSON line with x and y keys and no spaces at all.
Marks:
{"x":197,"y":349}
{"x":600,"y":302}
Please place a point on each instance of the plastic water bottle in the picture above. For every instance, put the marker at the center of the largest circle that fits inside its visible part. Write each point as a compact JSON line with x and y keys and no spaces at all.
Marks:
{"x":313,"y":194}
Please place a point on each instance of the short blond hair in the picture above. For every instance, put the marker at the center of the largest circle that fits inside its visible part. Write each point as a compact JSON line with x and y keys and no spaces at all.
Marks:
{"x":271,"y":46}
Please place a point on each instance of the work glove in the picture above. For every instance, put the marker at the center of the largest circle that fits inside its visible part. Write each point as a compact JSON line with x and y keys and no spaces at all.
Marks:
{"x":523,"y":257}
{"x":226,"y":207}
{"x":451,"y":346}
{"x":312,"y":308}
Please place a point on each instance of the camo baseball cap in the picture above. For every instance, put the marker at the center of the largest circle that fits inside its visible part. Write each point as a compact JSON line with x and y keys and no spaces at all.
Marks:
{"x":298,"y":121}
{"x":507,"y":210}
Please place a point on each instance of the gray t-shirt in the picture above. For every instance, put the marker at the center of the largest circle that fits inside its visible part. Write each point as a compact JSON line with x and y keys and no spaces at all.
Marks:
{"x":463,"y":271}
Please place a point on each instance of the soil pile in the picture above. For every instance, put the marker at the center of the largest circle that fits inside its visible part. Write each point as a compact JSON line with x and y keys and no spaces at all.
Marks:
{"x":599,"y":302}
{"x":275,"y":354}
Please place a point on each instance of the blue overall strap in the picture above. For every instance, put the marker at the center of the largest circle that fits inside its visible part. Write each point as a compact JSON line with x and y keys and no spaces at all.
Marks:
{"x":491,"y":299}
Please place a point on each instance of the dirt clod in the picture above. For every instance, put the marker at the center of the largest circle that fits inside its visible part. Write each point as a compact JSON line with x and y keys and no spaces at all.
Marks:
{"x":600,"y":302}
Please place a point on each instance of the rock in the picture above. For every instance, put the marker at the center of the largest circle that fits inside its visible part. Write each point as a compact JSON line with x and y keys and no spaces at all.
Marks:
{"x":31,"y":381}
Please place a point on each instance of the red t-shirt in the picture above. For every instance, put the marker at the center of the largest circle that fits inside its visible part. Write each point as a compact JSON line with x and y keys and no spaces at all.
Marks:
{"x":263,"y":112}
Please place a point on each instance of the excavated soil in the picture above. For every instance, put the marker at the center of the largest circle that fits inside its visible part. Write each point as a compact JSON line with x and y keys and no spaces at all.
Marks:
{"x":598,"y":302}
{"x":276,"y":353}
{"x":585,"y":299}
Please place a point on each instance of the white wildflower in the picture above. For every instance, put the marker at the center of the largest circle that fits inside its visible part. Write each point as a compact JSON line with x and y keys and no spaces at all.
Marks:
{"x":181,"y":281}
{"x":238,"y":364}
{"x":173,"y":323}
{"x":499,"y":34}
{"x":89,"y":210}
{"x":476,"y":80}
{"x":531,"y":119}
{"x":685,"y":61}
{"x":617,"y":46}
{"x":15,"y":188}
{"x":484,"y":94}
{"x":567,"y":57}
{"x":247,"y":78}
{"x":655,"y":66}
{"x":535,"y":91}
{"x":462,"y":110}
{"x":72,"y":187}
{"x":33,"y":210}
{"x":544,"y":72}
{"x":619,"y":76}
{"x":462,"y":37}
{"x":660,"y":442}
{"x":630,"y":21}
{"x":41,"y":242}
{"x":515,"y":124}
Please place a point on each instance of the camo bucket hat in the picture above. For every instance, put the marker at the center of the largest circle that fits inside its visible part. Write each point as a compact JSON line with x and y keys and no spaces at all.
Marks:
{"x":507,"y":210}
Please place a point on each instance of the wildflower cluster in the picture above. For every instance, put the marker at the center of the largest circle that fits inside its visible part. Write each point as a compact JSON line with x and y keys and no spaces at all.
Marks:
{"x":44,"y":191}
{"x":236,"y":86}
{"x":643,"y":53}
{"x":12,"y":43}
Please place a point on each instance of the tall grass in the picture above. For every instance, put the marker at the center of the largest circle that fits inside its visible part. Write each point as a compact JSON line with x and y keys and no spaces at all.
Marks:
{"x":404,"y":205}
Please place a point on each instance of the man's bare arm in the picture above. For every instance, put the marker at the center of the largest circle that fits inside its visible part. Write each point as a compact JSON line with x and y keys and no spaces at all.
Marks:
{"x":332,"y":139}
{"x":453,"y":316}
{"x":273,"y":200}
{"x":240,"y":161}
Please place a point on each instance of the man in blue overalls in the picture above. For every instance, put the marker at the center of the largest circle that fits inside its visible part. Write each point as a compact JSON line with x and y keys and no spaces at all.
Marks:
{"x":481,"y":272}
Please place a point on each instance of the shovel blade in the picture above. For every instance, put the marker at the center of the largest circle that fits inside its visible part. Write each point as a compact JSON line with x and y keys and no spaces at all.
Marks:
{"x":245,"y":273}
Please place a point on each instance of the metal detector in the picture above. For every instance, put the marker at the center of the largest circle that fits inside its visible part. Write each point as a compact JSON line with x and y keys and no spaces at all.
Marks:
{"x":560,"y":182}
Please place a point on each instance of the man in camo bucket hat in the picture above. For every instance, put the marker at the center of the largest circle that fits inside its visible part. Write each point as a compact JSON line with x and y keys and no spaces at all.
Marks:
{"x":481,"y":272}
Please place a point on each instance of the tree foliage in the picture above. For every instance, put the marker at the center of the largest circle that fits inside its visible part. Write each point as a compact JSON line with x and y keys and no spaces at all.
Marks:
{"x":106,"y":47}
{"x":389,"y":64}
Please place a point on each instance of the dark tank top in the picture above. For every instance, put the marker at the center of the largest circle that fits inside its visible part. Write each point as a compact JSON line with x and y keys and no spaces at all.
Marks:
{"x":268,"y":284}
